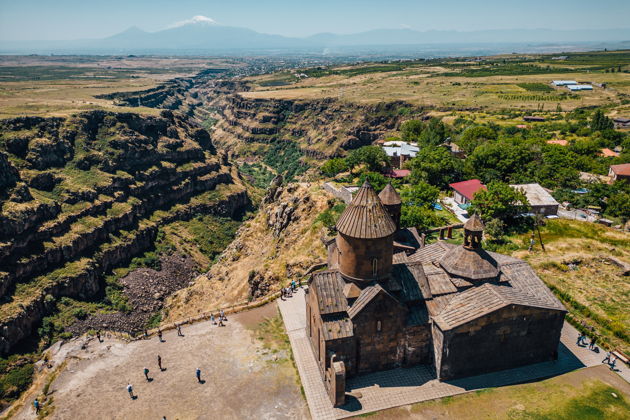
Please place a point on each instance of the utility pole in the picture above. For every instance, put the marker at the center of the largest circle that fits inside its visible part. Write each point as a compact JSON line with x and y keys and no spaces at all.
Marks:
{"x":542,"y":245}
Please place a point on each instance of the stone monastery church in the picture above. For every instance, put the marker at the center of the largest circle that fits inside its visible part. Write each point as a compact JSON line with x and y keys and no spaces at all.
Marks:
{"x":386,"y":302}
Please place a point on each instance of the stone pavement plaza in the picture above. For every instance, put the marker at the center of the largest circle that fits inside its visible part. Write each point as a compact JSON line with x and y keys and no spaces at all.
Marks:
{"x":397,"y":387}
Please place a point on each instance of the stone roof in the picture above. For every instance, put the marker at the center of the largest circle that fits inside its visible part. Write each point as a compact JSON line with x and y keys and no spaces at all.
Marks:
{"x":389,"y":196}
{"x":367,"y":295}
{"x":430,"y":253}
{"x":473,"y":264}
{"x":413,"y":282}
{"x":330,"y":297}
{"x":439,"y":281}
{"x":366,"y":217}
{"x":351,"y":291}
{"x":474,"y":224}
{"x":337,"y":326}
{"x":479,"y":301}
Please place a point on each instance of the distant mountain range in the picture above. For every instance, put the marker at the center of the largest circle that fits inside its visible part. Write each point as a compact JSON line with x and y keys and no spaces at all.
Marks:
{"x":205,"y":36}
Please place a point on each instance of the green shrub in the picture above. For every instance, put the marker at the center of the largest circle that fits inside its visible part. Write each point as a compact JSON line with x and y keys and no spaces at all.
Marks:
{"x":16,"y":381}
{"x":79,"y":313}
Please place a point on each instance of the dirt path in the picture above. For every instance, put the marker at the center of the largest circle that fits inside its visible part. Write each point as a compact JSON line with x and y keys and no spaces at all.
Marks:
{"x":242,"y":378}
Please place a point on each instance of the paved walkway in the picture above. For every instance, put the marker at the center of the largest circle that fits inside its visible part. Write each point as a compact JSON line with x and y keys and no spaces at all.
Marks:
{"x":393,"y":388}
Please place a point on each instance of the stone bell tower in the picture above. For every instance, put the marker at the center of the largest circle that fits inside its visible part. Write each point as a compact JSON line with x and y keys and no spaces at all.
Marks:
{"x":392,"y":202}
{"x":365,"y":238}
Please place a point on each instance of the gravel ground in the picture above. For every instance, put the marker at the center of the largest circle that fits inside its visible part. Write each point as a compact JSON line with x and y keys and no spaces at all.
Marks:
{"x":242,"y":380}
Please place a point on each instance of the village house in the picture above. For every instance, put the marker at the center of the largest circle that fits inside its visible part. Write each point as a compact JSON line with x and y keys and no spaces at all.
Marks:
{"x":621,"y":122}
{"x":400,"y":152}
{"x":464,"y":191}
{"x":540,"y":201}
{"x":459,"y":308}
{"x":619,"y":172}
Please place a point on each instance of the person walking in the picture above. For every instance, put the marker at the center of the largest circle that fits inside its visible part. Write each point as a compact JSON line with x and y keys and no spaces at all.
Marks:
{"x":223,"y":317}
{"x":221,"y":324}
{"x":532,"y":241}
{"x":607,"y":358}
{"x":212,"y":319}
{"x":160,"y":363}
{"x":36,"y":406}
{"x":593,"y":342}
{"x":146,"y":374}
{"x":160,"y":335}
{"x":198,"y":374}
{"x":613,"y":363}
{"x":179,"y":330}
{"x":130,"y":391}
{"x":98,"y":335}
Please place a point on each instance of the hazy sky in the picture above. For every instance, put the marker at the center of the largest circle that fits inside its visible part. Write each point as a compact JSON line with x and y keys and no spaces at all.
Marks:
{"x":73,"y":19}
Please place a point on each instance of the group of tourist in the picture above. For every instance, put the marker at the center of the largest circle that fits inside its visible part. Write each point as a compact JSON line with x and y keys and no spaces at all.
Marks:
{"x":581,"y":341}
{"x":221,"y":317}
{"x":287,"y":292}
{"x":610,"y":358}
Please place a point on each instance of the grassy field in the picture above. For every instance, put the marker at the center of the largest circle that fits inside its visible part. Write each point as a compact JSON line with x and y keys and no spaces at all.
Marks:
{"x":60,"y":86}
{"x":587,"y":394}
{"x":577,"y":268}
{"x":491,"y":84}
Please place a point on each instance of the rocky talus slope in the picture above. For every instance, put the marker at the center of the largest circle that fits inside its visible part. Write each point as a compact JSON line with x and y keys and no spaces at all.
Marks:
{"x":83,"y":194}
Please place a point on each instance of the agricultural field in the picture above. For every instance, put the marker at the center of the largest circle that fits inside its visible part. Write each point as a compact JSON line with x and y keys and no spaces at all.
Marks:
{"x":61,"y":86}
{"x":493,"y":83}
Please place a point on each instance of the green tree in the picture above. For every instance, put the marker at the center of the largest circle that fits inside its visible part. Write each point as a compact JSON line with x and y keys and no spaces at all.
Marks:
{"x":435,"y":165}
{"x":373,"y":157}
{"x":420,"y":217}
{"x":557,"y":168}
{"x":334,"y":166}
{"x":435,"y":133}
{"x":618,"y":205}
{"x":411,"y":130}
{"x":475,"y":136}
{"x":601,"y":122}
{"x":419,"y":195}
{"x":503,"y":160}
{"x":499,"y":201}
{"x":377,"y":180}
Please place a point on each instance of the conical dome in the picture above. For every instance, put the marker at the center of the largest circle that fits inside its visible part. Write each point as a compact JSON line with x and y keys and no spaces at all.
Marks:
{"x":474,"y":224}
{"x":389,"y":196}
{"x":366,"y":217}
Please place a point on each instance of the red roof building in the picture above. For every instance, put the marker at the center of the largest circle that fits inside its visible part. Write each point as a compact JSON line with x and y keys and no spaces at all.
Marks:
{"x":605,"y":152}
{"x":398,"y":173}
{"x":465,"y":190}
{"x":559,"y":142}
{"x":619,"y":172}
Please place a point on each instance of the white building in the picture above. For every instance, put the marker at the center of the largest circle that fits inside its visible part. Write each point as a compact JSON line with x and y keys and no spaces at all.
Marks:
{"x":575,"y":88}
{"x":539,"y":199}
{"x":400,"y":151}
{"x":564,"y":82}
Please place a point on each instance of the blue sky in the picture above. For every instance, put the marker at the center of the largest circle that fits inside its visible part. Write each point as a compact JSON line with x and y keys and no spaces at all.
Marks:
{"x":73,"y":19}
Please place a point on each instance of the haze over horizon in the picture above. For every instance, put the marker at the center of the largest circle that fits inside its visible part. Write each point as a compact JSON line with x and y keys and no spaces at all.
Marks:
{"x":75,"y":19}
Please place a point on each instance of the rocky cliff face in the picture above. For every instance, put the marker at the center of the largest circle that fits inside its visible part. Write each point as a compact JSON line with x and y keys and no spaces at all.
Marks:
{"x":84,"y":194}
{"x":321,"y":128}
